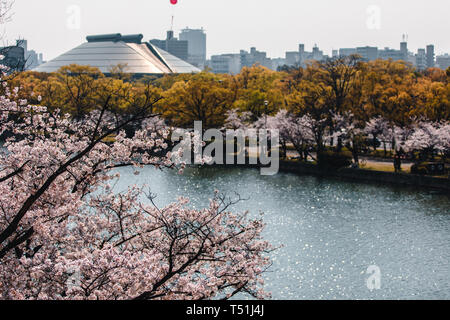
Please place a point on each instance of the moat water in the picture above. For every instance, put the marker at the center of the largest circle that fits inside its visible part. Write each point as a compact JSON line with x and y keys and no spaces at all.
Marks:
{"x":331,"y":231}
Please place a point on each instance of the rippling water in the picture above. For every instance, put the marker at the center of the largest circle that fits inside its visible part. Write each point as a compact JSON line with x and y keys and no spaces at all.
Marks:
{"x":332,"y":231}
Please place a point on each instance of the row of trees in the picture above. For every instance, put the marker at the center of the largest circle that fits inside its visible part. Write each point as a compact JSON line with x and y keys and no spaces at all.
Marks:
{"x":388,"y":89}
{"x":338,"y":103}
{"x":421,"y":140}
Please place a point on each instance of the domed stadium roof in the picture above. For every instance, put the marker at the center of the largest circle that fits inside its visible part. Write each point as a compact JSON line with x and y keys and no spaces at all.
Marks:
{"x":108,"y":51}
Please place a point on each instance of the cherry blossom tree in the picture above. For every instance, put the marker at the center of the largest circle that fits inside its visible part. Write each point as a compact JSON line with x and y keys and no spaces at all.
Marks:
{"x":378,"y":128}
{"x":299,"y":131}
{"x":282,"y":122}
{"x":350,"y":132}
{"x":429,"y":139}
{"x":237,"y":120}
{"x":444,"y":140}
{"x":400,"y":136}
{"x":66,"y":234}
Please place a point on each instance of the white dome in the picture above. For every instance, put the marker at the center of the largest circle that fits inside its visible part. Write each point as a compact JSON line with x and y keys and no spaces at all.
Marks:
{"x":138,"y":58}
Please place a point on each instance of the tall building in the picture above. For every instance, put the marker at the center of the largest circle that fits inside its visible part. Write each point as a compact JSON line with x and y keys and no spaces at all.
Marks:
{"x":292,"y":58}
{"x":178,"y":48}
{"x":404,"y":50}
{"x":443,"y":61}
{"x":23,"y":44}
{"x":317,"y":54}
{"x":421,"y":59}
{"x":196,"y":39}
{"x":32,"y":58}
{"x":301,"y":48}
{"x":430,"y":56}
{"x":13,"y":58}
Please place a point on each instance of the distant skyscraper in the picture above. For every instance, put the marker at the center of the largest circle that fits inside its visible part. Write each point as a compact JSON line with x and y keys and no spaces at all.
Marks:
{"x":196,"y":39}
{"x":404,"y":50}
{"x":32,"y":58}
{"x":430,"y":56}
{"x":421,"y":59}
{"x":23,"y":44}
{"x":301,"y":48}
{"x":293,"y":58}
{"x":317,"y":53}
{"x":443,"y":61}
{"x":172,"y":45}
{"x":13,"y":58}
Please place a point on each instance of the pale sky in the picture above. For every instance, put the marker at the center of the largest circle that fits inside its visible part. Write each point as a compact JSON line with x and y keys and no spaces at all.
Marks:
{"x":275,"y":26}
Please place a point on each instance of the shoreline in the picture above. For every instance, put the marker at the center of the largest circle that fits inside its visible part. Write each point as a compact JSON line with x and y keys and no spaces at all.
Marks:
{"x":360,"y":175}
{"x":364,"y":175}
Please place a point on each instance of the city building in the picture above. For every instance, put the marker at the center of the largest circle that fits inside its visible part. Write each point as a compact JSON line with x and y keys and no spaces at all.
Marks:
{"x":443,"y":61}
{"x":317,"y":54}
{"x":233,"y":63}
{"x":13,"y":58}
{"x":367,"y":53}
{"x":391,"y":54}
{"x":301,"y":57}
{"x":373,"y":53}
{"x":178,"y":48}
{"x":344,"y":52}
{"x":293,"y":58}
{"x":430,"y":56}
{"x":278,"y":63}
{"x":249,"y":59}
{"x":32,"y":58}
{"x":421,"y":59}
{"x":107,"y":51}
{"x":404,"y":49}
{"x":226,"y":63}
{"x":196,"y":39}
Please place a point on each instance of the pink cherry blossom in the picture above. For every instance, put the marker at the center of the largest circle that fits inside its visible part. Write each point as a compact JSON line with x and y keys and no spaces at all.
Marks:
{"x":66,"y":234}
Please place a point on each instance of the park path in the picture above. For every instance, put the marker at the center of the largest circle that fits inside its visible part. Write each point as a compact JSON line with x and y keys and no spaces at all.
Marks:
{"x":370,"y":163}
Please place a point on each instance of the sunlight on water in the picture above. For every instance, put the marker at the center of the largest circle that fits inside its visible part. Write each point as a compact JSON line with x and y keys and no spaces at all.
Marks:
{"x":332,"y":231}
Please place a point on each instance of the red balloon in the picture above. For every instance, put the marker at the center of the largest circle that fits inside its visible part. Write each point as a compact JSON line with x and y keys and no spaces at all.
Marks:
{"x":173,"y":2}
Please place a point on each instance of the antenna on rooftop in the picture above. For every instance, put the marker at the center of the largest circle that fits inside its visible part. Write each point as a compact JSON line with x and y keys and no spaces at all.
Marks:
{"x":173,"y":2}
